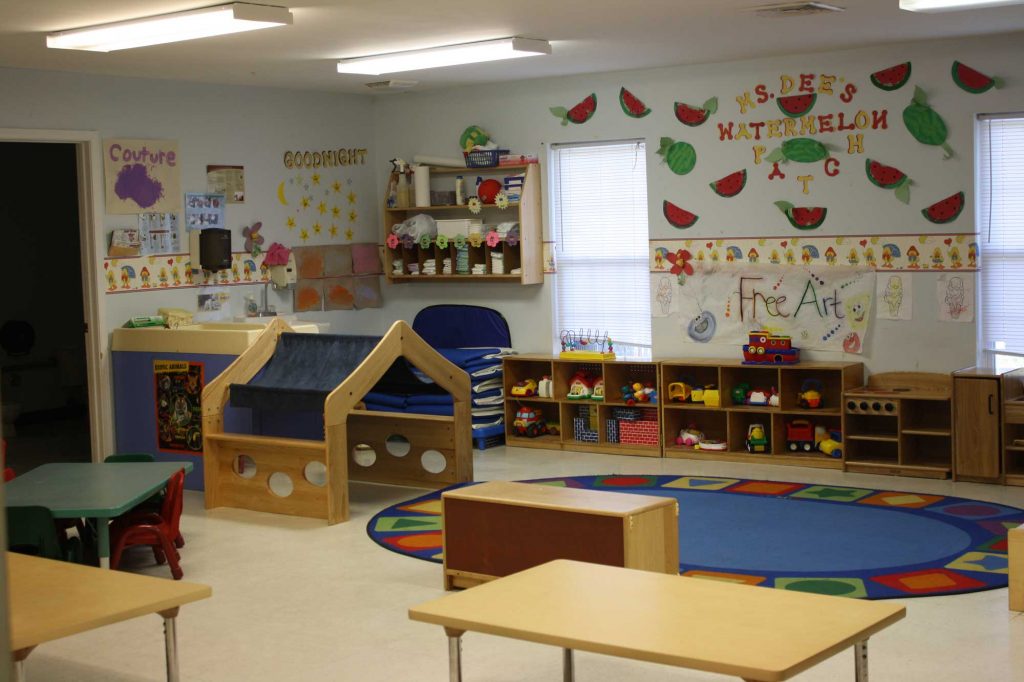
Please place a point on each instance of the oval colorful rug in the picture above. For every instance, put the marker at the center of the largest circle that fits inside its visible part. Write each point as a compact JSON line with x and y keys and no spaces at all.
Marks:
{"x":854,"y":542}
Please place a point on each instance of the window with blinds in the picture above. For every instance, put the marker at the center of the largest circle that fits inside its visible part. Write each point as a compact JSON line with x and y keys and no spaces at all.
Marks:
{"x":1000,"y":174}
{"x":599,"y":223}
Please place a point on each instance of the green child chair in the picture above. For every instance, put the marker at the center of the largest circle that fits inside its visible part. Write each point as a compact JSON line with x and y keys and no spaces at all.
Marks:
{"x":31,"y":530}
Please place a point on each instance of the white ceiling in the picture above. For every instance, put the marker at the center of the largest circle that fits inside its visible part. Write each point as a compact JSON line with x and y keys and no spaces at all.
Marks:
{"x":587,"y":36}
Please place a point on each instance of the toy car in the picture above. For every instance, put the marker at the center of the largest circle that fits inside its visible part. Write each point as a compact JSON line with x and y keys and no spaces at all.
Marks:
{"x":810,"y":394}
{"x":758,"y":396}
{"x":524,"y":388}
{"x":832,"y":446}
{"x":529,"y":423}
{"x":712,"y":396}
{"x":689,"y":436}
{"x":756,"y":439}
{"x":800,"y":435}
{"x":679,"y":391}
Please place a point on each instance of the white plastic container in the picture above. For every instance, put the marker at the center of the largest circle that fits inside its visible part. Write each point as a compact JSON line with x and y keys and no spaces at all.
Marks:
{"x":459,"y":226}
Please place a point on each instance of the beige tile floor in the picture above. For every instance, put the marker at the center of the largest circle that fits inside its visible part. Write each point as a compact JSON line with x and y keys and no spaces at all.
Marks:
{"x":296,"y":600}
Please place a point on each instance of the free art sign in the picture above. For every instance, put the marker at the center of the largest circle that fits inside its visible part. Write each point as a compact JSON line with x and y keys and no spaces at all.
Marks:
{"x":820,"y":307}
{"x":142,"y":176}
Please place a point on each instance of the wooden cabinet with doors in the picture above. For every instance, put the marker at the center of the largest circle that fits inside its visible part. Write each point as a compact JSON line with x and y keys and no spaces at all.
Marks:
{"x":977,"y":403}
{"x":1012,"y":387}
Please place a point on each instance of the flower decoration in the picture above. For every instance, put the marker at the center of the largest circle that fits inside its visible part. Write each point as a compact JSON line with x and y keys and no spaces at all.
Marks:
{"x":512,"y":238}
{"x":253,"y":239}
{"x":680,"y":261}
{"x":501,"y":199}
{"x":392,"y":241}
{"x":493,"y":238}
{"x":425,"y":241}
{"x":475,"y":239}
{"x":277,"y":254}
{"x":474,"y":205}
{"x":460,"y":241}
{"x":442,"y":241}
{"x":408,"y":242}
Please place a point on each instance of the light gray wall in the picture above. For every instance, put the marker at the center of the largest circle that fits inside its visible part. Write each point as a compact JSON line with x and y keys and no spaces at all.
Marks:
{"x":517,"y":115}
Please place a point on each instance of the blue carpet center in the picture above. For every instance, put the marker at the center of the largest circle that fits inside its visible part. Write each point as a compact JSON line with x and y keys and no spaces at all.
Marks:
{"x":855,"y":542}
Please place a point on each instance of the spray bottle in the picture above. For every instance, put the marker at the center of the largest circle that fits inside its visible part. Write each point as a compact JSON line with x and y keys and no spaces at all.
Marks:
{"x":402,"y":200}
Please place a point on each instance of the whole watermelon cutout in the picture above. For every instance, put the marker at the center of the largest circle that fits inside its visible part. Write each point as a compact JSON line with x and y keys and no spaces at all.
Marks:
{"x":803,"y":217}
{"x":974,"y":81}
{"x":888,"y":177}
{"x":695,"y":116}
{"x":795,"y":106}
{"x":680,"y":156}
{"x":580,"y":113}
{"x":801,"y":150}
{"x":893,"y":78}
{"x":731,"y":184}
{"x":925,"y":125}
{"x":631,"y":104}
{"x":945,"y":211}
{"x":677,"y":217}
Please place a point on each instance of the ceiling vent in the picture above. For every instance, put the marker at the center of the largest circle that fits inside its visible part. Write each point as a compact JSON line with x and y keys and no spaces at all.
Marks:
{"x":392,"y":84}
{"x":796,"y":9}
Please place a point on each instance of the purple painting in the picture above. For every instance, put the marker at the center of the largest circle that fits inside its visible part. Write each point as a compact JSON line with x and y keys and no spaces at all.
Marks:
{"x":133,"y":182}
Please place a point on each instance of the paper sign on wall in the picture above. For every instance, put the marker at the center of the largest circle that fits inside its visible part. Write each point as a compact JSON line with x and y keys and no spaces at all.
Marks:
{"x":955,"y":295}
{"x":895,"y":297}
{"x":141,"y":175}
{"x":664,"y":301}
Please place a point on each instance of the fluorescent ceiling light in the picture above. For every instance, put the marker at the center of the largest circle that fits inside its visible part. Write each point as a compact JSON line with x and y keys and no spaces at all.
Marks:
{"x":952,"y":5}
{"x":169,"y":28}
{"x":448,"y":55}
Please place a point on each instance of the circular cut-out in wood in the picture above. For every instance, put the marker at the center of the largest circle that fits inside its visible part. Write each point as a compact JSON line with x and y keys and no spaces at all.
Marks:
{"x":315,"y":473}
{"x":244,"y":466}
{"x":433,"y":461}
{"x":280,"y":484}
{"x":364,"y":455}
{"x":398,"y":445}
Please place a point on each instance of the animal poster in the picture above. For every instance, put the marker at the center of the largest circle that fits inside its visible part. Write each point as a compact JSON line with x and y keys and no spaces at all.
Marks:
{"x":664,"y":301}
{"x":179,"y":414}
{"x":895,"y":296}
{"x":955,"y":298}
{"x":141,"y":176}
{"x":821,"y":307}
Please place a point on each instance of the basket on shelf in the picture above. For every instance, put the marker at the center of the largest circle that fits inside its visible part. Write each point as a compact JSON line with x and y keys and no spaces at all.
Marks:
{"x":483,"y":158}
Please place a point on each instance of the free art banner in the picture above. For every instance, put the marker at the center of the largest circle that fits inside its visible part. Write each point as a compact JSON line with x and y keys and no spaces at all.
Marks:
{"x":142,"y":176}
{"x":821,"y":307}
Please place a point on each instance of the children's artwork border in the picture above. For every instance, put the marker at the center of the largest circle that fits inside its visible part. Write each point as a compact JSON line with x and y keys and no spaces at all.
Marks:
{"x":174,"y":271}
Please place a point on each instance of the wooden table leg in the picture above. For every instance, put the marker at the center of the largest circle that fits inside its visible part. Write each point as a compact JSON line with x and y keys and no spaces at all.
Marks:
{"x":860,"y":661}
{"x":454,"y":654}
{"x":568,"y":670}
{"x":19,"y":657}
{"x":171,"y":642}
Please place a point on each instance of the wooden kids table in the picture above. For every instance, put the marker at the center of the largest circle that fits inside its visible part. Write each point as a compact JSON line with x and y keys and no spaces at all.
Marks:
{"x":53,"y":599}
{"x":751,"y":632}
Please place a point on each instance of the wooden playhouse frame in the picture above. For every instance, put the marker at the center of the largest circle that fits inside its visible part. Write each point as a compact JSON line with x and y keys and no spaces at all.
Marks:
{"x":347,"y":428}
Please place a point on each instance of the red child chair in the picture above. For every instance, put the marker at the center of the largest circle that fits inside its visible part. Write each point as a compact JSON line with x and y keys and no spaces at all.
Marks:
{"x":8,"y":472}
{"x":158,"y":531}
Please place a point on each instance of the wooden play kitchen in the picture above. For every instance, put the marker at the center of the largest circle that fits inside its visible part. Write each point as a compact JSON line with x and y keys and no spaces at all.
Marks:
{"x":740,"y":630}
{"x":497,"y":528}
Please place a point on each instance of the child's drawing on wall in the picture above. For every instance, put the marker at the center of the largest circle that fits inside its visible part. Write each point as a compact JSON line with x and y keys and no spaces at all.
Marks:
{"x":661,"y":296}
{"x":895,"y":296}
{"x":955,"y":298}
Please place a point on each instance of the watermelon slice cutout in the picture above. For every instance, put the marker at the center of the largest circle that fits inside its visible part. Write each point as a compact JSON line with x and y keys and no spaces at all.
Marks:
{"x":581,"y":113}
{"x":678,"y":217}
{"x":695,"y":116}
{"x":893,"y":78}
{"x":888,"y":177}
{"x":945,"y":211}
{"x":803,"y":217}
{"x":797,"y":105}
{"x":631,"y":104}
{"x":973,"y":81}
{"x":731,"y":184}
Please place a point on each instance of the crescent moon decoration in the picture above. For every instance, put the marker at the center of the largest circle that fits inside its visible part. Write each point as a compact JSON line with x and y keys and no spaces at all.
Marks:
{"x":280,"y":194}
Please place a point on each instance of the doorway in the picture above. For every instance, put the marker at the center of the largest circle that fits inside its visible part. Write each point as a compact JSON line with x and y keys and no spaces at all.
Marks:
{"x":43,"y":376}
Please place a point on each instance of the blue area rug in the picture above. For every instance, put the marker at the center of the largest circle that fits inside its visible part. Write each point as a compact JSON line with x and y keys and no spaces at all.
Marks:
{"x":854,"y":542}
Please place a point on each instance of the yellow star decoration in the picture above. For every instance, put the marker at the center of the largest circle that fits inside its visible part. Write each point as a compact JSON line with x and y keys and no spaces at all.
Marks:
{"x":336,"y":186}
{"x":303,"y":234}
{"x":305,"y":202}
{"x":349,"y":233}
{"x":317,"y":228}
{"x":316,"y":178}
{"x":291,"y":223}
{"x":335,"y":212}
{"x":322,"y":207}
{"x":351,"y":197}
{"x":334,"y":230}
{"x":352,"y":215}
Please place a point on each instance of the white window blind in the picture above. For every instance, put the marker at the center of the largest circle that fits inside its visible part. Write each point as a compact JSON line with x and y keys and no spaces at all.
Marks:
{"x":599,"y":221}
{"x":1001,"y":236}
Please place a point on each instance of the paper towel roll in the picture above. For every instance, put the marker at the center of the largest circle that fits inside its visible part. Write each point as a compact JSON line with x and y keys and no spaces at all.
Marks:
{"x":421,"y":178}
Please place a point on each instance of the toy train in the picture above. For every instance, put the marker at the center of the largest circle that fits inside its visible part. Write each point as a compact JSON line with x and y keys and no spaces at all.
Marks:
{"x":765,"y":348}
